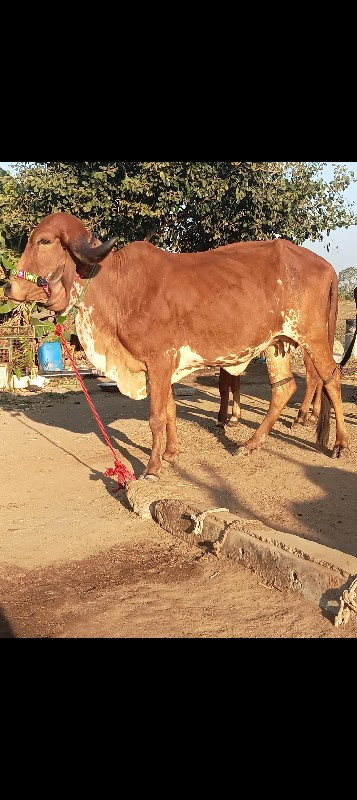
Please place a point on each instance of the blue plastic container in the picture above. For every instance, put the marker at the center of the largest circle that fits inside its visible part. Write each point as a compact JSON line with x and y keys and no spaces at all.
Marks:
{"x":50,"y":357}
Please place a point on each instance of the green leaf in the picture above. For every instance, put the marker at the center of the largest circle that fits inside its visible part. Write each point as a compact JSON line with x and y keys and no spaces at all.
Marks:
{"x":6,"y":263}
{"x":5,"y":308}
{"x":42,"y":328}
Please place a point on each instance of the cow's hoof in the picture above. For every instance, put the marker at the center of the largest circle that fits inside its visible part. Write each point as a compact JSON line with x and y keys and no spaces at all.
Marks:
{"x":341,"y":452}
{"x":233,"y":422}
{"x":241,"y":452}
{"x":312,"y":421}
{"x":169,"y":457}
{"x":221,"y":425}
{"x":298,"y":421}
{"x":152,"y":478}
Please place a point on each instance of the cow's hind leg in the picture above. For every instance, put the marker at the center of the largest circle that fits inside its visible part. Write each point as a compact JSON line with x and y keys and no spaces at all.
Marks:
{"x":330,"y":374}
{"x":236,"y":409}
{"x":333,"y":389}
{"x":316,"y":405}
{"x":283,"y":387}
{"x":312,"y":395}
{"x":171,"y":430}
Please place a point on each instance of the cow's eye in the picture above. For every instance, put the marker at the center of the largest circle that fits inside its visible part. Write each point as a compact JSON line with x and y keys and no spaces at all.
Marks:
{"x":44,"y":241}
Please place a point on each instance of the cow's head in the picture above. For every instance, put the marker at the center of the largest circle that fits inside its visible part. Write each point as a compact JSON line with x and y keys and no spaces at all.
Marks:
{"x":59,"y":248}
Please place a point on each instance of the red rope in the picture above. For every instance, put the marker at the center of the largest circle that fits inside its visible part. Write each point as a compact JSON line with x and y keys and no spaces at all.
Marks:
{"x":119,"y":469}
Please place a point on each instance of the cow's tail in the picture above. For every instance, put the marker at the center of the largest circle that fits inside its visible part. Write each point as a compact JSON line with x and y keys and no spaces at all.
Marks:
{"x":323,"y":425}
{"x":349,"y":352}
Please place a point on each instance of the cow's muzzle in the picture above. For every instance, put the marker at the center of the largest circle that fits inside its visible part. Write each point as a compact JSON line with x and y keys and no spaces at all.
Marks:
{"x":42,"y":283}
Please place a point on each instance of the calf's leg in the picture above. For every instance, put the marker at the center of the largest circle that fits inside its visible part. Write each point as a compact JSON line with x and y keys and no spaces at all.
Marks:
{"x":236,"y":409}
{"x":224,"y":388}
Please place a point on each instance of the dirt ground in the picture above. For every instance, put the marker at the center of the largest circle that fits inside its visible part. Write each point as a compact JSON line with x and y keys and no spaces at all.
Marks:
{"x":75,"y":562}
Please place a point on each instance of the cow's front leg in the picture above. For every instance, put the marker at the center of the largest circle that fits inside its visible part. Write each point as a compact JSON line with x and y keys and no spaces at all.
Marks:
{"x":171,"y":430}
{"x":160,"y":388}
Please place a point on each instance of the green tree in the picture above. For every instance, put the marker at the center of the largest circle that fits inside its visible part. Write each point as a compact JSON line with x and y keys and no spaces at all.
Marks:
{"x":347,"y":282}
{"x":11,"y":243}
{"x":181,"y":205}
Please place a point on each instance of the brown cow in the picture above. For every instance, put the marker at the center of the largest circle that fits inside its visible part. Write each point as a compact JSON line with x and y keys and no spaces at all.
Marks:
{"x":313,"y":395}
{"x":148,"y":318}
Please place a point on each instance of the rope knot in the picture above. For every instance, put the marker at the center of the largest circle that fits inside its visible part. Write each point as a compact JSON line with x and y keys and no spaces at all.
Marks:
{"x":120,"y":470}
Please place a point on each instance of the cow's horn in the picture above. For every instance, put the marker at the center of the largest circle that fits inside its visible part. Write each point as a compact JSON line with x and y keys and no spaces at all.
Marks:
{"x":91,"y":255}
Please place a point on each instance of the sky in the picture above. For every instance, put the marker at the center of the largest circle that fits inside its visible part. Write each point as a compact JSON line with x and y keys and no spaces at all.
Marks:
{"x":343,"y":241}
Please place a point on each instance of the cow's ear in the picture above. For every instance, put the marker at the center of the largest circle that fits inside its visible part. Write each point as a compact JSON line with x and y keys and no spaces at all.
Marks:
{"x":56,"y":276}
{"x":58,"y":295}
{"x":90,"y":255}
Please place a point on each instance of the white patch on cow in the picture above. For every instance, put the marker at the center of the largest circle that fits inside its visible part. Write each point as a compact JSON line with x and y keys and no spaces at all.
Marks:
{"x":238,"y":369}
{"x":279,"y":282}
{"x":233,"y":363}
{"x":75,"y":291}
{"x":84,"y":328}
{"x":291,"y":324}
{"x":73,"y":296}
{"x":189,"y":361}
{"x":131,"y":384}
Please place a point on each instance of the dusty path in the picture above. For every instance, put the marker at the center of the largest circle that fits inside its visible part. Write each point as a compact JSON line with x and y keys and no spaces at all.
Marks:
{"x":64,"y":532}
{"x":155,"y":589}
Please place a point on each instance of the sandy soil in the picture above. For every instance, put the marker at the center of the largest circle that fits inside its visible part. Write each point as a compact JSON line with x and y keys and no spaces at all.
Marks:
{"x":76,"y":562}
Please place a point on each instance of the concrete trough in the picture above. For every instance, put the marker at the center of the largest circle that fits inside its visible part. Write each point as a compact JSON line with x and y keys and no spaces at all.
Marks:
{"x":320,"y":574}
